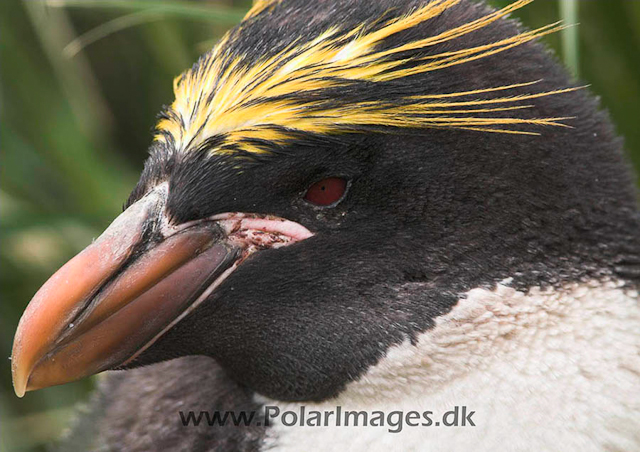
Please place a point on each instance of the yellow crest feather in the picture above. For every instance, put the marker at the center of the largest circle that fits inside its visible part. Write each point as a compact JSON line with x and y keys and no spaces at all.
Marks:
{"x":244,"y":103}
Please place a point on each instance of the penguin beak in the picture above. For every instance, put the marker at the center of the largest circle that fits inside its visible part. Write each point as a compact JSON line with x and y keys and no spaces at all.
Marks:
{"x":115,"y":298}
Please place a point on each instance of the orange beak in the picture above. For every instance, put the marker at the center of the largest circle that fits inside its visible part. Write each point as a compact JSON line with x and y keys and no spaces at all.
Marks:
{"x":114,"y":298}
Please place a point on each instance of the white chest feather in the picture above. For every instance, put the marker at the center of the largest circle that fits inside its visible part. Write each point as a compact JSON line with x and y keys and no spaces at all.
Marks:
{"x":543,"y":371}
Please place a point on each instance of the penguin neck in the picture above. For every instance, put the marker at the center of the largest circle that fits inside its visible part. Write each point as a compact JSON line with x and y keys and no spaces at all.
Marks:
{"x":526,"y":360}
{"x":561,"y":331}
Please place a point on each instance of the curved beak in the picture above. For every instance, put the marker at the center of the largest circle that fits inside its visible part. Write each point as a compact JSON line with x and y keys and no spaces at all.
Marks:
{"x":115,"y":297}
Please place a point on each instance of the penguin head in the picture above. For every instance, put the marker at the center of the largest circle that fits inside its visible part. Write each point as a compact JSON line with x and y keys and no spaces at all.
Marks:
{"x":323,"y":189}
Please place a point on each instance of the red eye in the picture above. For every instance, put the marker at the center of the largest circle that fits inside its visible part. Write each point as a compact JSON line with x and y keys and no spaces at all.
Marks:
{"x":327,"y":191}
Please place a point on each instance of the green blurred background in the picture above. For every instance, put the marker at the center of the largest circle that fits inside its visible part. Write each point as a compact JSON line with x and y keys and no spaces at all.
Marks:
{"x":82,"y":81}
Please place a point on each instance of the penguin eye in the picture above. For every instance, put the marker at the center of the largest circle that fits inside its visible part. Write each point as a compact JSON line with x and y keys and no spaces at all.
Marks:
{"x":326,"y":192}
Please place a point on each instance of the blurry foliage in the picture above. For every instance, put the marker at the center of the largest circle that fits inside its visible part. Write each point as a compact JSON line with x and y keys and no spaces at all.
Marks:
{"x":82,"y":81}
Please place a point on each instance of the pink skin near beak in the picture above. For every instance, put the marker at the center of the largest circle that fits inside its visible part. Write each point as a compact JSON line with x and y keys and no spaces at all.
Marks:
{"x":116,"y":297}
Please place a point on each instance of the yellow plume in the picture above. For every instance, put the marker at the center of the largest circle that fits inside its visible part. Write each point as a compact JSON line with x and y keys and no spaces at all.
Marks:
{"x":278,"y":94}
